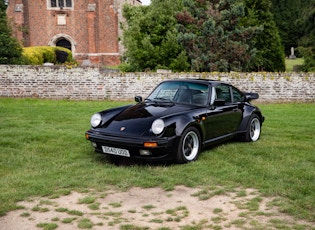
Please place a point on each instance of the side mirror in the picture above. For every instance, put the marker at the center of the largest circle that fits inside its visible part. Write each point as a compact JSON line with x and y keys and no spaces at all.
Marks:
{"x":138,"y":99}
{"x":251,"y":96}
{"x":219,"y":102}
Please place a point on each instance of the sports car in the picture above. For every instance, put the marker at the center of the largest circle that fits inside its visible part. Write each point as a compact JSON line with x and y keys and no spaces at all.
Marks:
{"x":176,"y":121}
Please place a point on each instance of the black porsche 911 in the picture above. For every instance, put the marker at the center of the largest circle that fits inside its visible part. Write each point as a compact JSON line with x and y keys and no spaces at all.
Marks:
{"x":176,"y":121}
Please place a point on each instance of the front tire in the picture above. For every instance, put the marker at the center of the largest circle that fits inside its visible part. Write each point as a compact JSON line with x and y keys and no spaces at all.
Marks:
{"x":189,"y":146}
{"x":253,"y":129}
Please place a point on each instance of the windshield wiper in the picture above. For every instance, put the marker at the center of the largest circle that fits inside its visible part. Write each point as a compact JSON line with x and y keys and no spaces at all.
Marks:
{"x":161,"y":99}
{"x":164,"y":100}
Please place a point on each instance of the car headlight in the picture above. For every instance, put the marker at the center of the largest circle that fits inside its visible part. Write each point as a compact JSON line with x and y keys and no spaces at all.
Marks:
{"x":158,"y":126}
{"x":96,"y":120}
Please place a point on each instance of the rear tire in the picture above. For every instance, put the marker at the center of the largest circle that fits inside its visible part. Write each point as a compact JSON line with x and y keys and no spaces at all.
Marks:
{"x":253,"y":129}
{"x":189,"y":146}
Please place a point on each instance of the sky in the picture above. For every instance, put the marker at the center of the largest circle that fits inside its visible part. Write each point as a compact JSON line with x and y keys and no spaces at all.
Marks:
{"x":146,"y":2}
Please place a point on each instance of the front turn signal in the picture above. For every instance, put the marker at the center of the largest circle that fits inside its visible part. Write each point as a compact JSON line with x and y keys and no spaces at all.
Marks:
{"x":150,"y":144}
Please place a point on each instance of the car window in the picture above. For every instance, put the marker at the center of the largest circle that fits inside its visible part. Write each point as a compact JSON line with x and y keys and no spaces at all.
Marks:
{"x":238,"y":96}
{"x":165,"y":91}
{"x":223,"y":92}
{"x":182,"y":92}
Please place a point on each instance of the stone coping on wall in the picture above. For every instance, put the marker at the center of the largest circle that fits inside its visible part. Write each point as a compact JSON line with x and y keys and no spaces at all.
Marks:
{"x":92,"y":83}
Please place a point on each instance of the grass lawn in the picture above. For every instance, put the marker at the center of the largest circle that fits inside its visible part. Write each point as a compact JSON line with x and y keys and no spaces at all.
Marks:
{"x":289,"y":63}
{"x":43,"y":152}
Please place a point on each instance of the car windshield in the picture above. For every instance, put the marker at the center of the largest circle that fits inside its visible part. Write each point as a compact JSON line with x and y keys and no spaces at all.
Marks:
{"x":182,"y":92}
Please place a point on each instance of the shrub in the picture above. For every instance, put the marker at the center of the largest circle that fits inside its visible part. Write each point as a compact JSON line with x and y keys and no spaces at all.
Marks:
{"x":309,"y":58}
{"x":38,"y":55}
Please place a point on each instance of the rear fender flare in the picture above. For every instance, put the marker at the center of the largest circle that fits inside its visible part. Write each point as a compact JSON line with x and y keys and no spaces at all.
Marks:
{"x":244,"y":124}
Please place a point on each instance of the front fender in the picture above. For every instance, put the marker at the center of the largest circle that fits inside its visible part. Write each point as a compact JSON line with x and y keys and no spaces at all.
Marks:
{"x":179,"y":123}
{"x":109,"y":114}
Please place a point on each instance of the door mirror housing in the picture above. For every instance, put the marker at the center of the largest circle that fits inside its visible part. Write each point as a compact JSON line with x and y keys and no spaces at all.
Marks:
{"x":251,"y":96}
{"x":138,"y":99}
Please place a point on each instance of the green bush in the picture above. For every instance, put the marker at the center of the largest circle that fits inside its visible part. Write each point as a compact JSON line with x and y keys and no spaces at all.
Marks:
{"x":38,"y":55}
{"x":309,"y":58}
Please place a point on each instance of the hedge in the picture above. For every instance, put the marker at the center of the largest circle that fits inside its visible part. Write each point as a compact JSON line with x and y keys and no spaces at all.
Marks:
{"x":38,"y":55}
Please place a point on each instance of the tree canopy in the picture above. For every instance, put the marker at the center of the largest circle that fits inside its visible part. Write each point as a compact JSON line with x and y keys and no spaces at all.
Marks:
{"x":307,"y":42}
{"x":213,"y":37}
{"x":151,"y":37}
{"x":202,"y":35}
{"x":10,"y":49}
{"x":286,"y":14}
{"x":270,"y":53}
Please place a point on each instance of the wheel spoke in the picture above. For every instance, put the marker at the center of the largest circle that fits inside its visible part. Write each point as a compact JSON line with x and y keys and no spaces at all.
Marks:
{"x":190,"y":146}
{"x":252,"y":130}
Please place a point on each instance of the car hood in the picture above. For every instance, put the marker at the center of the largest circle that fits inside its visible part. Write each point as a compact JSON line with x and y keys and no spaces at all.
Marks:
{"x":137,"y":120}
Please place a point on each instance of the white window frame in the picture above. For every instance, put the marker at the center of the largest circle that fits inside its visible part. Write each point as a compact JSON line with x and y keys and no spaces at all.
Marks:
{"x":57,"y":5}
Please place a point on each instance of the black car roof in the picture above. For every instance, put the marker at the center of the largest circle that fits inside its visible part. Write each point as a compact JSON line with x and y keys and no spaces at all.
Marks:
{"x":208,"y":81}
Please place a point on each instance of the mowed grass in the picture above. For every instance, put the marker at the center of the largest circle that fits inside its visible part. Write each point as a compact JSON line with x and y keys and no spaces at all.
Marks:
{"x":290,"y":63}
{"x":43,"y":152}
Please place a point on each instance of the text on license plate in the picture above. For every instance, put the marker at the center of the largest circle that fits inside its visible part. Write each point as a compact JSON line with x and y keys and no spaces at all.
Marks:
{"x":116,"y":151}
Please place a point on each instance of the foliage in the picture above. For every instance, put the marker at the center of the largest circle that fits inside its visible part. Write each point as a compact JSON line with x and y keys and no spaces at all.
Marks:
{"x":212,"y":36}
{"x":151,"y":37}
{"x":37,"y":55}
{"x":270,"y":54}
{"x":307,"y":42}
{"x":10,"y":49}
{"x":308,"y":54}
{"x":226,"y":35}
{"x":286,"y":15}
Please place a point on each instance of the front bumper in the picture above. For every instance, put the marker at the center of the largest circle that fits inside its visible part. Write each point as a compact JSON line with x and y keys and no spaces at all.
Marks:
{"x":162,"y":149}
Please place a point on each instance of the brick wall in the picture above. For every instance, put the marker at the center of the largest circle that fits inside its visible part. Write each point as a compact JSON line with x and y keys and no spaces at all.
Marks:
{"x":91,"y":27}
{"x":97,"y":84}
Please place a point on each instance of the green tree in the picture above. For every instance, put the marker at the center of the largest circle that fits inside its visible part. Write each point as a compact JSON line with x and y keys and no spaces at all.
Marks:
{"x":286,"y":13}
{"x":10,"y":49}
{"x":307,"y":42}
{"x":270,"y":53}
{"x":150,"y":37}
{"x":212,"y":36}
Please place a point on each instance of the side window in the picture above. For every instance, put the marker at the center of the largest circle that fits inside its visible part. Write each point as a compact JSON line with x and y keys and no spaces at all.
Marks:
{"x":238,"y":96}
{"x":60,"y":3}
{"x":223,"y":92}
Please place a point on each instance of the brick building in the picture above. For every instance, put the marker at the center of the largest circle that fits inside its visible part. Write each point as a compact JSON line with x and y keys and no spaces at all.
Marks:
{"x":89,"y":28}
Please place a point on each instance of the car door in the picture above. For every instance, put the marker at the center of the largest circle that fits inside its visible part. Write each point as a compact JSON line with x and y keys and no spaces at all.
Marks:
{"x":223,"y":115}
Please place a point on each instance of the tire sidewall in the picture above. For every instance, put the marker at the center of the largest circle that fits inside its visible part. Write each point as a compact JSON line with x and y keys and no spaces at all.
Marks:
{"x":248,"y":137}
{"x":180,"y":158}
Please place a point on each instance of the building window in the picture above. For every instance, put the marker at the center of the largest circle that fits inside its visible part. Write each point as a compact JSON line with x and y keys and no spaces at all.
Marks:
{"x":60,"y":3}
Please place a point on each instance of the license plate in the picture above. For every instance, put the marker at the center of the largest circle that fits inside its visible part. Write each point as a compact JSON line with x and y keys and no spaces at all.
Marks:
{"x":116,"y":151}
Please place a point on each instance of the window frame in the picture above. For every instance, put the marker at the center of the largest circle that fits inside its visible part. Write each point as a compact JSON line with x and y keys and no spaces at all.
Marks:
{"x":49,"y":4}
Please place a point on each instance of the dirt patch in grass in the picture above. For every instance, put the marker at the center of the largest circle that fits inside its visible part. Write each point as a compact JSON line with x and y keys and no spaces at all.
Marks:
{"x":153,"y":208}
